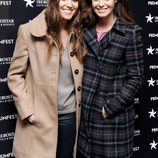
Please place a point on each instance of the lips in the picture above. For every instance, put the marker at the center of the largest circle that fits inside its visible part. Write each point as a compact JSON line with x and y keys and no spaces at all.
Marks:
{"x":68,"y":11}
{"x":101,"y":10}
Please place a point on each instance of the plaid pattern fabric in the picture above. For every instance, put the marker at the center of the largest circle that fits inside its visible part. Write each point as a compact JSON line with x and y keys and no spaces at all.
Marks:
{"x":113,"y":73}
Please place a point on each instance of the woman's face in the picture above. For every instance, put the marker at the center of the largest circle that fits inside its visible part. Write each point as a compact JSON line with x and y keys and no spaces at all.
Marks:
{"x":67,"y":8}
{"x":103,"y":8}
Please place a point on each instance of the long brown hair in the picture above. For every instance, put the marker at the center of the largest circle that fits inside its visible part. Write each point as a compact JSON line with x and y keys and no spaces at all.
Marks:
{"x":121,"y":10}
{"x":54,"y":24}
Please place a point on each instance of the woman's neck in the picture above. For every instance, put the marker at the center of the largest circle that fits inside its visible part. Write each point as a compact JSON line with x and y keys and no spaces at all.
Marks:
{"x":65,"y":25}
{"x":64,"y":35}
{"x":105,"y":24}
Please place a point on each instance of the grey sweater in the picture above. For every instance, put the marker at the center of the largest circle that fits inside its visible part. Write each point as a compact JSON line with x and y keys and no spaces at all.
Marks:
{"x":66,"y":89}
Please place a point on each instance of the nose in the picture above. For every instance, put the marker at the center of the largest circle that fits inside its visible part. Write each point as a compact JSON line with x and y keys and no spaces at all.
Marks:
{"x":69,"y":4}
{"x":101,"y":3}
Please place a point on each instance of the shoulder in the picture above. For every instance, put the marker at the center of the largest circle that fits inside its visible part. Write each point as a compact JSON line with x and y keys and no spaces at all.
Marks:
{"x":36,"y":27}
{"x":133,"y":29}
{"x":126,"y":28}
{"x":23,"y":31}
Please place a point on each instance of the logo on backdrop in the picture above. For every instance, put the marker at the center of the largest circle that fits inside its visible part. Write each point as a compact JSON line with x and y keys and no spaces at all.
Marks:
{"x":6,"y":136}
{"x":3,"y":80}
{"x":151,"y":19}
{"x":8,"y":117}
{"x":152,"y":51}
{"x":39,"y":3}
{"x":137,"y":132}
{"x":154,"y":130}
{"x":153,"y":145}
{"x":152,"y":113}
{"x":152,"y":2}
{"x":153,"y":67}
{"x":153,"y":35}
{"x":29,"y":3}
{"x":136,"y":148}
{"x":7,"y":41}
{"x":7,"y":22}
{"x":6,"y":98}
{"x":5,"y":3}
{"x":6,"y":155}
{"x":155,"y":98}
{"x":152,"y":82}
{"x":5,"y":60}
{"x":136,"y":100}
{"x":136,"y":116}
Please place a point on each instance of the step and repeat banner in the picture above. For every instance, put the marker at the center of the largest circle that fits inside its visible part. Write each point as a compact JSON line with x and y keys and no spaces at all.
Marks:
{"x":16,"y":12}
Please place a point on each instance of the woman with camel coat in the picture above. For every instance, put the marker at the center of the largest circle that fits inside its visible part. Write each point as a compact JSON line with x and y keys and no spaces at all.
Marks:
{"x":45,"y":80}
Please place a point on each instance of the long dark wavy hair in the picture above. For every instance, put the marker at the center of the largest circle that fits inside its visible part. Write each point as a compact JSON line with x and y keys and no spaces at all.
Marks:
{"x":121,"y":10}
{"x":55,"y":22}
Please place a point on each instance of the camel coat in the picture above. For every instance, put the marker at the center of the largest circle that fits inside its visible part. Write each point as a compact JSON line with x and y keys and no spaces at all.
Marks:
{"x":33,"y":81}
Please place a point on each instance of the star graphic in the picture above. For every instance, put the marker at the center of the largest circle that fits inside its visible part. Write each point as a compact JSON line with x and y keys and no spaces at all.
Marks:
{"x":149,"y":18}
{"x":152,"y":113}
{"x":150,"y":50}
{"x":153,"y":145}
{"x":151,"y":82}
{"x":29,"y":2}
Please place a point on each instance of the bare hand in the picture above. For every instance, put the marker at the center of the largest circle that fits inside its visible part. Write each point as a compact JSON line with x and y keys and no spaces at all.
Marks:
{"x":104,"y":113}
{"x":31,"y":118}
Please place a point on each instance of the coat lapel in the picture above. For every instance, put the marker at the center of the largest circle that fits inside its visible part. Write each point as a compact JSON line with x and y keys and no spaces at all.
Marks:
{"x":38,"y":26}
{"x":91,"y":36}
{"x":106,"y":39}
{"x":118,"y":28}
{"x":91,"y":39}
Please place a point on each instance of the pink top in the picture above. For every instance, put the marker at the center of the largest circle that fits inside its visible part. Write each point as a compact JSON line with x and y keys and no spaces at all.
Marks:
{"x":100,"y":35}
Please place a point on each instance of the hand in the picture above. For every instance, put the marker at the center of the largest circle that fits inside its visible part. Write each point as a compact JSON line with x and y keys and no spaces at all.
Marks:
{"x":104,"y":113}
{"x":31,"y":118}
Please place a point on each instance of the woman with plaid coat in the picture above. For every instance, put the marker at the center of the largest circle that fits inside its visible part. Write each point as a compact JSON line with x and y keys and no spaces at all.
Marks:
{"x":113,"y":72}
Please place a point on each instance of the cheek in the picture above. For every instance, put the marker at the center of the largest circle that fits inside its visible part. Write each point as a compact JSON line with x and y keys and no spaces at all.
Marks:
{"x":60,"y":4}
{"x":111,"y":5}
{"x":94,"y":5}
{"x":76,"y":6}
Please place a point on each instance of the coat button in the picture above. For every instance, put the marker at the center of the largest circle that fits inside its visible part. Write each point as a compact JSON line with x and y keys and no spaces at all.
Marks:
{"x":79,"y":104}
{"x":76,"y":71}
{"x":71,"y":54}
{"x":79,"y":88}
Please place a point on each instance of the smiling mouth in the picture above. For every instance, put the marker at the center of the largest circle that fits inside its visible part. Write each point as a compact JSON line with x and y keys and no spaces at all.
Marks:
{"x":68,"y":11}
{"x":102,"y":8}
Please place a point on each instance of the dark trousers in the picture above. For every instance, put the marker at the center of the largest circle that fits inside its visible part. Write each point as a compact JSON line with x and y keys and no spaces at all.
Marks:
{"x":66,"y":135}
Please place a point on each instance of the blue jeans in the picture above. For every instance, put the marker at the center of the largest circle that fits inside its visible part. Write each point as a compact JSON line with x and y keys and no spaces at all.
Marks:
{"x":66,"y":135}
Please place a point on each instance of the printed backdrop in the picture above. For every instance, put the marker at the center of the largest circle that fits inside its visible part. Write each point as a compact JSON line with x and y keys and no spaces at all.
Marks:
{"x":15,"y":12}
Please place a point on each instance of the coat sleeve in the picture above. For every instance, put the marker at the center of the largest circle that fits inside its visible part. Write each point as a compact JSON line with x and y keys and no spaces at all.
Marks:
{"x":135,"y":74}
{"x":17,"y":77}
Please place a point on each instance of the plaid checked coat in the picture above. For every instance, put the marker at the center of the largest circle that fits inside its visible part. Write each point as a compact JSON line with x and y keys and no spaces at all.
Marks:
{"x":113,"y":71}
